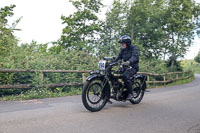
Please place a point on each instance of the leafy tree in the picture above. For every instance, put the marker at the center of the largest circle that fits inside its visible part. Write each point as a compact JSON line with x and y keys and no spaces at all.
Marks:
{"x":179,"y":27}
{"x":163,"y":27}
{"x":145,"y":22}
{"x":8,"y":41}
{"x":81,"y":27}
{"x":7,"y":38}
{"x":197,"y":58}
{"x":113,"y":27}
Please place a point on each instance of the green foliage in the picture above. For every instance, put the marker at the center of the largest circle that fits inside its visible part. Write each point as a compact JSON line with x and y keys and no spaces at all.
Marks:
{"x":163,"y":27}
{"x":7,"y":39}
{"x":152,"y":66}
{"x":191,"y":65}
{"x":179,"y":82}
{"x":197,"y":58}
{"x":37,"y":57}
{"x":145,"y":22}
{"x":81,"y":28}
{"x":184,"y":81}
{"x":175,"y":67}
{"x":159,"y":28}
{"x":113,"y":27}
{"x":181,"y":17}
{"x":5,"y":12}
{"x":41,"y":93}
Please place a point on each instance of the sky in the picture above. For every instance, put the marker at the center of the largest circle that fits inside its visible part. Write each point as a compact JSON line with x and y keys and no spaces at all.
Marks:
{"x":41,"y":20}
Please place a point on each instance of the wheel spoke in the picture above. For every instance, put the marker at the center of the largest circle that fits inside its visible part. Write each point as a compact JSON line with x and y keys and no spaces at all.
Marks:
{"x":94,"y":95}
{"x":137,"y":92}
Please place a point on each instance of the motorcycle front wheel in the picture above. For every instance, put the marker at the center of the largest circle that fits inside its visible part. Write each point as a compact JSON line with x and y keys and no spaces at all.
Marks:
{"x":93,"y":96}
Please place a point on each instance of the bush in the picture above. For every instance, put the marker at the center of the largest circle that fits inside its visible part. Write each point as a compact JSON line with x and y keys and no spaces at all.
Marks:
{"x":152,"y":66}
{"x":173,"y":65}
{"x":37,"y":57}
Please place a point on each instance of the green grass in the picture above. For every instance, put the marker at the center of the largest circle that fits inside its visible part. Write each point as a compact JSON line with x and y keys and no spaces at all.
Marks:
{"x":40,"y":94}
{"x":179,"y":82}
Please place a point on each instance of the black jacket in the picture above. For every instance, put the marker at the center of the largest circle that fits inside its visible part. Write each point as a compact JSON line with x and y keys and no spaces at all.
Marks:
{"x":131,"y":54}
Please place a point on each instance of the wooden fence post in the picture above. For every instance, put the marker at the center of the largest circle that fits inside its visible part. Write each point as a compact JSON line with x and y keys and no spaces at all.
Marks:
{"x":164,"y":78}
{"x":83,"y":77}
{"x":176,"y":76}
{"x":148,"y":79}
{"x":184,"y":75}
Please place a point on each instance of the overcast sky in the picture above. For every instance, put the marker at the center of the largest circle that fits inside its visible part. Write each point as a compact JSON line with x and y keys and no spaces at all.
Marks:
{"x":41,"y":20}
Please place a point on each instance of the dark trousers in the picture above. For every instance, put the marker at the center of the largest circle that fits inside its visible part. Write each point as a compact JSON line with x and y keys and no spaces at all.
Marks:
{"x":128,"y":73}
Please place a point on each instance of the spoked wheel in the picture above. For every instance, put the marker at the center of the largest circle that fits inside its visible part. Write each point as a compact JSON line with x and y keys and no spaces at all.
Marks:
{"x":93,"y":98}
{"x":138,"y":91}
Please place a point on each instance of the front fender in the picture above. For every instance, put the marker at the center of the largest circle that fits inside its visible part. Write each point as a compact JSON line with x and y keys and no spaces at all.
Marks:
{"x":89,"y":78}
{"x":106,"y":88}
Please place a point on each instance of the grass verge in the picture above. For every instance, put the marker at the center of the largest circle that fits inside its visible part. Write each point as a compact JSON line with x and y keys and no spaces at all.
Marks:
{"x":180,"y":82}
{"x":41,"y":93}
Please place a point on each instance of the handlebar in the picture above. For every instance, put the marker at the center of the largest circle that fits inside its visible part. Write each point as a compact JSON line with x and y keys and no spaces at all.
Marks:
{"x":113,"y":64}
{"x":109,"y":58}
{"x":116,"y":63}
{"x":110,"y":66}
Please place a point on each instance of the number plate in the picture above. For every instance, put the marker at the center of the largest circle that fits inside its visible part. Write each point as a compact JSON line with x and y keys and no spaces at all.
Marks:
{"x":102,"y":65}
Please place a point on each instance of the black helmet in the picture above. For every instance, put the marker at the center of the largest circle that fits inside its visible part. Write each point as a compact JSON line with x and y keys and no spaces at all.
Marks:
{"x":125,"y":39}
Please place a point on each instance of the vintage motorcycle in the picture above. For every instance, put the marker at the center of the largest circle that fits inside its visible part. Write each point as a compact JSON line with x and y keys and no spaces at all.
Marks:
{"x":106,"y":83}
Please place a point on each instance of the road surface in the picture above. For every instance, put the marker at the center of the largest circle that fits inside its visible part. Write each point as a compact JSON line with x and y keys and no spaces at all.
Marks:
{"x":163,"y":110}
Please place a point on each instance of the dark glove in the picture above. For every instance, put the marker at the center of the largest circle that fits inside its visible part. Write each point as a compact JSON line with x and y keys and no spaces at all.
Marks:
{"x":127,"y":63}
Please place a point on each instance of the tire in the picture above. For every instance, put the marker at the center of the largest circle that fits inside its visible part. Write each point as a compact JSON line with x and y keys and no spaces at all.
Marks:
{"x":93,"y":87}
{"x":138,"y":91}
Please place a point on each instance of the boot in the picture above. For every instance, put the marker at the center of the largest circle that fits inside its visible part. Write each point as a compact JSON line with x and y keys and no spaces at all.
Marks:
{"x":130,"y":96}
{"x":129,"y":87}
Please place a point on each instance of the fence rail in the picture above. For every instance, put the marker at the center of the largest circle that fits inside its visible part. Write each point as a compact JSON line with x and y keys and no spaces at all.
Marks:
{"x":174,"y":76}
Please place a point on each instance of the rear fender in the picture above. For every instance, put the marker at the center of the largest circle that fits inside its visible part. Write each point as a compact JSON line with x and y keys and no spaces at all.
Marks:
{"x":139,"y":76}
{"x":142,"y":78}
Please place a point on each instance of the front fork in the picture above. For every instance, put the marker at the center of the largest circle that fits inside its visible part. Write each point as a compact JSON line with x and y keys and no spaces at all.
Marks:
{"x":105,"y":90}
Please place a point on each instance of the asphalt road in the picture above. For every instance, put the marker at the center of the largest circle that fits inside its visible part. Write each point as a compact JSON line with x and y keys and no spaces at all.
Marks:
{"x":163,"y":110}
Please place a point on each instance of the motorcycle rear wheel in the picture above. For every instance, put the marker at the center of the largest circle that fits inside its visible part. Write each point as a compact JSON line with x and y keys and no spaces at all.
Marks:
{"x":138,"y":92}
{"x":93,"y":98}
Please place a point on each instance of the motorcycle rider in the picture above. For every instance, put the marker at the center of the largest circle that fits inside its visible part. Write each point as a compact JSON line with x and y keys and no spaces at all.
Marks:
{"x":130,"y":55}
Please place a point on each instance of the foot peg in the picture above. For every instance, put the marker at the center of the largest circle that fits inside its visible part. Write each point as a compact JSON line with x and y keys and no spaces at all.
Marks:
{"x":108,"y":100}
{"x":130,"y":96}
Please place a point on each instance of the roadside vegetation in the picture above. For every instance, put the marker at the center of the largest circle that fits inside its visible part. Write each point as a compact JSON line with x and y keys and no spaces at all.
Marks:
{"x":191,"y":65}
{"x":179,"y":82}
{"x":86,"y":39}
